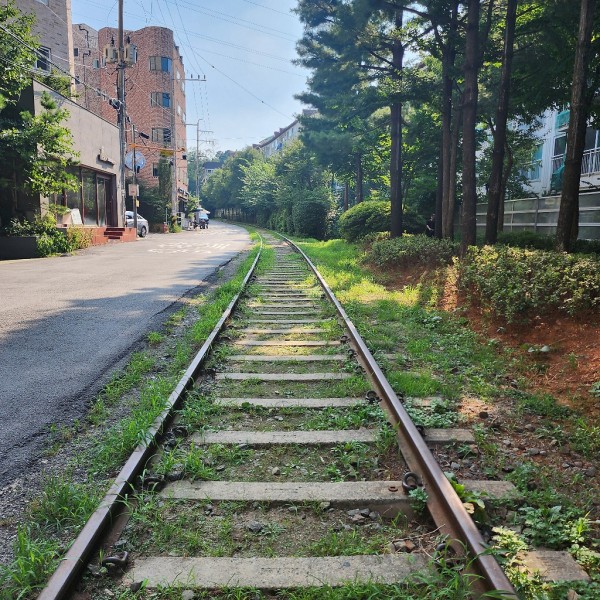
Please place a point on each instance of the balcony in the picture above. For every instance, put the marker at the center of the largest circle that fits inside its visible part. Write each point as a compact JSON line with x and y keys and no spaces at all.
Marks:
{"x":589,"y":164}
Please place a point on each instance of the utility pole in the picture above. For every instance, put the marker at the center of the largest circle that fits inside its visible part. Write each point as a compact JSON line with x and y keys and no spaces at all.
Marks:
{"x":121,"y":98}
{"x":134,"y":165}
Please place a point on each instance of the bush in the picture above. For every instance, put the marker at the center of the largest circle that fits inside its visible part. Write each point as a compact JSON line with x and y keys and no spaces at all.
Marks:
{"x":519,"y":282}
{"x":79,"y":237}
{"x":538,"y":241}
{"x":50,"y":240}
{"x":411,"y":250}
{"x":364,"y":218}
{"x":310,"y":219}
{"x":526,"y":239}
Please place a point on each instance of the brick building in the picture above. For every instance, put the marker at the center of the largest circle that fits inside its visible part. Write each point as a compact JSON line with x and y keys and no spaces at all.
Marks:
{"x":155,"y":95}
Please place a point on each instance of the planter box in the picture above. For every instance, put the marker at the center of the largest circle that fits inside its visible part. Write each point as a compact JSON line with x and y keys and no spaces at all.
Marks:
{"x":12,"y":247}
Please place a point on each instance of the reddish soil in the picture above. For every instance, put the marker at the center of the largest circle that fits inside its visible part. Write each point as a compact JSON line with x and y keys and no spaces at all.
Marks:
{"x":566,"y":372}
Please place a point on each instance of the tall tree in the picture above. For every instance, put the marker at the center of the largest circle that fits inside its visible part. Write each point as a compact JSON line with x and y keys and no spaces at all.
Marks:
{"x":496,"y":187}
{"x":581,"y":100}
{"x":364,"y":40}
{"x":470,"y":96}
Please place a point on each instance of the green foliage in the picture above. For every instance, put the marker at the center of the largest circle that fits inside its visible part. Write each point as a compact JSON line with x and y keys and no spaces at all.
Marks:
{"x":50,"y":240}
{"x":37,"y":151}
{"x":553,"y":527}
{"x":309,"y":219}
{"x":17,"y":58}
{"x":63,"y":504}
{"x":34,"y":558}
{"x":520,"y":283}
{"x":418,"y":500}
{"x":365,"y":218}
{"x":153,"y":202}
{"x":411,"y":250}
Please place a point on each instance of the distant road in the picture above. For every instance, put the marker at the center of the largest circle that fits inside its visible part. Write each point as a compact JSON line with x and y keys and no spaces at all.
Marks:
{"x":66,"y":321}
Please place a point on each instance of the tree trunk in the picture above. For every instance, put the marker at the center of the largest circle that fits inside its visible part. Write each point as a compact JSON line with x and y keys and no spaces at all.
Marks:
{"x":396,"y":137}
{"x":469,"y":227}
{"x":346,"y":192}
{"x":448,"y":231}
{"x":358,"y":192}
{"x":448,"y":58}
{"x":439,"y":192}
{"x":495,"y":189}
{"x":568,"y":216}
{"x":509,"y":165}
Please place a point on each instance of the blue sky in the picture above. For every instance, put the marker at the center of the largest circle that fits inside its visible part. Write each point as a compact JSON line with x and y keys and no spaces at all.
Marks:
{"x":243,"y":47}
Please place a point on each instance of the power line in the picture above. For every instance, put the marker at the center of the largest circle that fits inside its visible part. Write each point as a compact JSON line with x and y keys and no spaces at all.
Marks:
{"x":215,"y":14}
{"x":281,"y":12}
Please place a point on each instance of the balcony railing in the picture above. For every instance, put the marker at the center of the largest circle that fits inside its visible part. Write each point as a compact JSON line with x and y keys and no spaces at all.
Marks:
{"x":589,"y":164}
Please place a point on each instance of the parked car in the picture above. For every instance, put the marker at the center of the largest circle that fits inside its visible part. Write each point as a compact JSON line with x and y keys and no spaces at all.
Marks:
{"x":142,"y":224}
{"x":203,"y":221}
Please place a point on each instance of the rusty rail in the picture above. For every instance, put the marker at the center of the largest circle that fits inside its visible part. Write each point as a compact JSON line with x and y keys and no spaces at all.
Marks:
{"x":75,"y":559}
{"x":446,"y":509}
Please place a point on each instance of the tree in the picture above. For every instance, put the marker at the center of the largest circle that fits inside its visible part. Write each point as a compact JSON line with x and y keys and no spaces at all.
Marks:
{"x":496,"y":188}
{"x":581,"y":100}
{"x":36,"y":152}
{"x":18,"y":60}
{"x":471,"y":68}
{"x":363,"y":40}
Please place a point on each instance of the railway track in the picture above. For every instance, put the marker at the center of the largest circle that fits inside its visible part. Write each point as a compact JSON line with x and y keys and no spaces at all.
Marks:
{"x":285,"y":461}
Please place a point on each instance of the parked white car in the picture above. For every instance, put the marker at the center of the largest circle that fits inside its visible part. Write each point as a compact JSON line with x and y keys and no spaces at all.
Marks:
{"x":142,"y":224}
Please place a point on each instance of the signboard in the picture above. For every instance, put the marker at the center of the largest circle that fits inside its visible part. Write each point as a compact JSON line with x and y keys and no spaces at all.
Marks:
{"x":76,"y":217}
{"x":134,"y":189}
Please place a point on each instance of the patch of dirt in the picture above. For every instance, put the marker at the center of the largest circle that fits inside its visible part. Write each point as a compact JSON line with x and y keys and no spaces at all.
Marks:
{"x":566,"y":371}
{"x":560,"y":356}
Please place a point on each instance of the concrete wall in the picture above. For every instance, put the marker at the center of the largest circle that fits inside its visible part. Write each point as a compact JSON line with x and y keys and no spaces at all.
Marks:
{"x":53,"y":27}
{"x":96,"y":140}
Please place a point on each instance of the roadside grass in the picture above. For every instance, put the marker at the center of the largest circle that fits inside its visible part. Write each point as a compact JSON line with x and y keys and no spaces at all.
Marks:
{"x":37,"y":550}
{"x":439,"y":354}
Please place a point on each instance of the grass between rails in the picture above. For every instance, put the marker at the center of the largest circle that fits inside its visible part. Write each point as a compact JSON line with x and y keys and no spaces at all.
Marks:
{"x":64,"y":505}
{"x":438,"y":354}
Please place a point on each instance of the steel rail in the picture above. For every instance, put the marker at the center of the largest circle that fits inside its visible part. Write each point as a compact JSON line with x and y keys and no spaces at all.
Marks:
{"x":447,"y":509}
{"x":76,"y":557}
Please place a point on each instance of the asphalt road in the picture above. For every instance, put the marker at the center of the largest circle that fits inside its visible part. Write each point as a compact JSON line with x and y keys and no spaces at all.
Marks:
{"x":67,"y":321}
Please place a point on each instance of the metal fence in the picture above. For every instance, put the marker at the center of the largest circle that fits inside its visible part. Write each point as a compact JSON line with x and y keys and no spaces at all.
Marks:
{"x":541,"y":215}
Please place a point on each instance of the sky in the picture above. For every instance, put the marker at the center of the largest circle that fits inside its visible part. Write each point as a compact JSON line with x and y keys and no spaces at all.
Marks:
{"x":244,"y":48}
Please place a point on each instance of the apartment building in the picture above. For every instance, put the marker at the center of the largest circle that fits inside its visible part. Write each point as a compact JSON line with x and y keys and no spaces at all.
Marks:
{"x":275,"y":143}
{"x":538,"y":211}
{"x":154,"y":96}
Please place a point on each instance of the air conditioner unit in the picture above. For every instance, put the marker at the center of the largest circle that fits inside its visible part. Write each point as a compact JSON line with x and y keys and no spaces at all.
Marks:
{"x":111,"y":54}
{"x":130,"y":54}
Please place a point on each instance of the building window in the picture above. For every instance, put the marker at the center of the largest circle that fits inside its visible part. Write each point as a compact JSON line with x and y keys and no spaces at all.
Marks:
{"x":154,"y":169}
{"x":160,"y":99}
{"x":96,"y":64}
{"x":177,"y":74}
{"x":161,"y":63}
{"x":161,"y":134}
{"x":179,"y":110}
{"x":75,"y":51}
{"x":183,"y":117}
{"x":43,"y":61}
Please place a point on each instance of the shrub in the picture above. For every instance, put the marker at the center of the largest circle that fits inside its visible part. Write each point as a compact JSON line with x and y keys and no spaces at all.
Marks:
{"x":518,"y":282}
{"x":530,"y":239}
{"x":367,"y":217}
{"x":526,"y":239}
{"x":411,"y":250}
{"x":310,"y":219}
{"x":50,"y":240}
{"x":79,"y":237}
